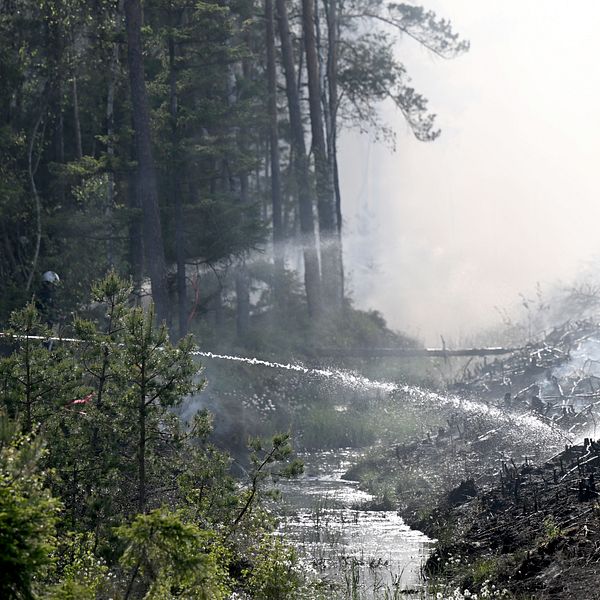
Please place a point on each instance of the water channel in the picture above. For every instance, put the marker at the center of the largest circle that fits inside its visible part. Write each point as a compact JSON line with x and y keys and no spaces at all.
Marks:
{"x":369,"y":554}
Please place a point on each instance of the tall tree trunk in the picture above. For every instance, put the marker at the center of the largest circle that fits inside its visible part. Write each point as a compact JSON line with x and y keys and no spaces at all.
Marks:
{"x":217,"y":303}
{"x":182,"y":302}
{"x":330,"y":250}
{"x":331,"y":8}
{"x":146,"y":185}
{"x":136,"y":237}
{"x":331,"y":108}
{"x":60,"y":137}
{"x":242,"y":277}
{"x":32,"y":165}
{"x":276,"y":201}
{"x":175,"y":187}
{"x":242,"y":294}
{"x":110,"y":150}
{"x":76,"y":120}
{"x":305,"y":197}
{"x":262,"y":151}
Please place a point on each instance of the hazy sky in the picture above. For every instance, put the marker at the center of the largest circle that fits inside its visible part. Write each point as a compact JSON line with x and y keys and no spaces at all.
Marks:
{"x":507,"y":196}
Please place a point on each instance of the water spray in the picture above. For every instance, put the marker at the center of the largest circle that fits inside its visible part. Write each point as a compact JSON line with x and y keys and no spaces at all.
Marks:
{"x":356,"y":381}
{"x":345,"y":377}
{"x":360,"y":382}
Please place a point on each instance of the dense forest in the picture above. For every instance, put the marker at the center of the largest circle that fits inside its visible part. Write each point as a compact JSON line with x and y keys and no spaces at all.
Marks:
{"x":194,"y":146}
{"x":169,"y":169}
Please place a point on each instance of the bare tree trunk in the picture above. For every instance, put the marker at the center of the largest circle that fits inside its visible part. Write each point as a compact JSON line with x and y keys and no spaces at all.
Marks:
{"x":136,"y":237}
{"x":182,"y":303}
{"x":242,"y":277}
{"x":141,"y":449}
{"x":76,"y":120}
{"x":219,"y":309}
{"x":146,"y":184}
{"x":276,"y":201}
{"x":110,"y":150}
{"x":242,"y":294}
{"x":330,"y":250}
{"x":312,"y":278}
{"x":331,"y":8}
{"x":182,"y":311}
{"x":60,"y":136}
{"x":32,"y":168}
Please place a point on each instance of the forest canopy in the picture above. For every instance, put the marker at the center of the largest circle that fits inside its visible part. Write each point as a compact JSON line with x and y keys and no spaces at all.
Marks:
{"x":193,"y":147}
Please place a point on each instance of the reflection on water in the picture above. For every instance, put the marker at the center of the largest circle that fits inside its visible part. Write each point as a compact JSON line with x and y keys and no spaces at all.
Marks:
{"x":369,"y":550}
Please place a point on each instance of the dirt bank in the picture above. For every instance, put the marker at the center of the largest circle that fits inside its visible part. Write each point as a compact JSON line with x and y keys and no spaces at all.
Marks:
{"x":534,"y":529}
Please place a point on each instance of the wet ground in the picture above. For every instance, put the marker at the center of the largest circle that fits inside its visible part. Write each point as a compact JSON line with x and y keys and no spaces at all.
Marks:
{"x":368,"y":552}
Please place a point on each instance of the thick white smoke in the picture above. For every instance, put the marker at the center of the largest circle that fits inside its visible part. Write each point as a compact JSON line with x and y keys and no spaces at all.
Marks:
{"x":439,"y":234}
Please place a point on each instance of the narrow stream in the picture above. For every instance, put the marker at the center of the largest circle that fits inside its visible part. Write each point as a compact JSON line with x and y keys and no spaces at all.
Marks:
{"x":370,"y":554}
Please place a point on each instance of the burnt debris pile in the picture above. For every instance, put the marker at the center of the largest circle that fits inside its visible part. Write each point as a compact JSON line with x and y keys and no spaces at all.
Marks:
{"x":557,"y":377}
{"x":524,"y":516}
{"x":535,"y":530}
{"x":506,"y":472}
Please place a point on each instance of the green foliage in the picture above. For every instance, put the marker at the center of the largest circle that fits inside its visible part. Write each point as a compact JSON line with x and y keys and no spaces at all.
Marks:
{"x":149,"y":507}
{"x":209,"y":491}
{"x":271,"y":460}
{"x":485,"y":569}
{"x":37,"y":385}
{"x":552,"y":530}
{"x":28,"y":514}
{"x":326,"y":427}
{"x":275,"y":571}
{"x":369,"y":69}
{"x":67,"y":149}
{"x":137,"y":377}
{"x":169,"y":558}
{"x":80,"y":574}
{"x":108,"y":406}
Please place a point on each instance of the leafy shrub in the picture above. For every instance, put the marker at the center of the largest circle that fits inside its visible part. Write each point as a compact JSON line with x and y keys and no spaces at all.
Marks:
{"x":28,"y":515}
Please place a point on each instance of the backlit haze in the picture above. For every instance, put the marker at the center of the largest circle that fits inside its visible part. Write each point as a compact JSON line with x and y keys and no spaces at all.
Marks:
{"x":438,"y":234}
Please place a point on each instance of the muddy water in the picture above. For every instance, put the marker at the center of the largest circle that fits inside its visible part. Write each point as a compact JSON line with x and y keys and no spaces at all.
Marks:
{"x":370,"y":554}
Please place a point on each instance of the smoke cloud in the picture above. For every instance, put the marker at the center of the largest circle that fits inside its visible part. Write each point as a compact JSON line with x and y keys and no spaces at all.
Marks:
{"x":438,"y":234}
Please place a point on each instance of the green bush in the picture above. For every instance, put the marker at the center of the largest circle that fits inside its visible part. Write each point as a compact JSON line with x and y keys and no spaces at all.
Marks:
{"x":275,"y":572}
{"x":28,"y":515}
{"x":166,"y":557}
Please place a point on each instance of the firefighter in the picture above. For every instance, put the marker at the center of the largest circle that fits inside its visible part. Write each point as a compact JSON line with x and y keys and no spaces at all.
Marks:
{"x":45,"y":297}
{"x":45,"y":303}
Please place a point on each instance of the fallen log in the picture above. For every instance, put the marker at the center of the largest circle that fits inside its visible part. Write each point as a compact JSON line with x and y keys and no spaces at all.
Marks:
{"x":410,"y":352}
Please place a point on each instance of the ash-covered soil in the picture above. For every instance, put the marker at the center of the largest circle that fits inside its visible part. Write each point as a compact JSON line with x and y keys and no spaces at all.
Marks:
{"x":533,"y":529}
{"x":509,"y":484}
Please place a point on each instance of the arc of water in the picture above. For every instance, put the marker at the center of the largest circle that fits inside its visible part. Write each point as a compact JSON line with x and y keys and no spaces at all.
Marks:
{"x":346,"y":377}
{"x":352,"y":379}
{"x":528,"y":421}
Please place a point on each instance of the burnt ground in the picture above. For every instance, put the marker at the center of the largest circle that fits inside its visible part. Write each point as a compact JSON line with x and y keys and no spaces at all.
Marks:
{"x":512,"y":505}
{"x":521,"y":517}
{"x":533,"y":529}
